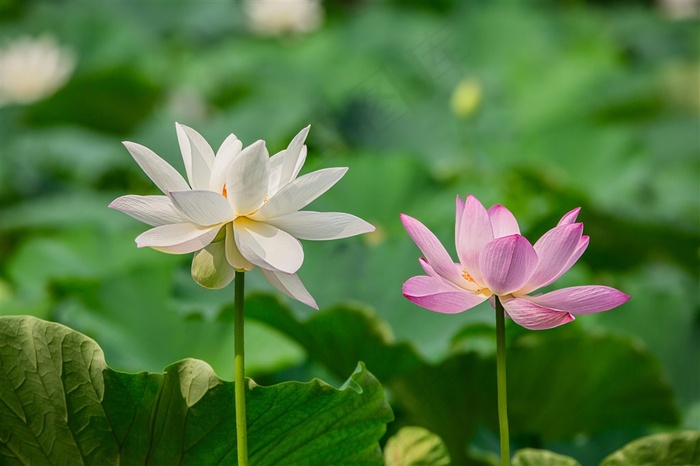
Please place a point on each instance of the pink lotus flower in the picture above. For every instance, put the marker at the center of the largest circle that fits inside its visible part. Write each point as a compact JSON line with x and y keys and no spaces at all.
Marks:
{"x":496,"y":260}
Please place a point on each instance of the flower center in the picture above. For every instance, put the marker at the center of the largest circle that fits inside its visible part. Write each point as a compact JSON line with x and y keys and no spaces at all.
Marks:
{"x":466,"y":276}
{"x":224,"y":192}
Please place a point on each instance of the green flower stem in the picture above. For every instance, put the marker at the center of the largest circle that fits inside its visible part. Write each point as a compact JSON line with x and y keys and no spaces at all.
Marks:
{"x":501,"y":382}
{"x":239,"y":370}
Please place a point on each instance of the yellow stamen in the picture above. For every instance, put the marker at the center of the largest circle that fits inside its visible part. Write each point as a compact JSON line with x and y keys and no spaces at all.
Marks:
{"x":224,"y":192}
{"x":466,"y":276}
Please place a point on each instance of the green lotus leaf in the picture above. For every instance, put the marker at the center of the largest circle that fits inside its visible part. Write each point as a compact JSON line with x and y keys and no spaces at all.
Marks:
{"x":61,"y":404}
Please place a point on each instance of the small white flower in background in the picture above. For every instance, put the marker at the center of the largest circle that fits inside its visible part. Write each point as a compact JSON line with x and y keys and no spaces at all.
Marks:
{"x":680,"y":9}
{"x":241,"y":209}
{"x":277,"y":17}
{"x":32,"y":69}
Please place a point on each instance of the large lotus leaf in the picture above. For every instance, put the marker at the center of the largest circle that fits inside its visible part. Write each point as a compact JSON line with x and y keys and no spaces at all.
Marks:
{"x":677,"y":448}
{"x":337,"y":336}
{"x":533,"y":457}
{"x":561,"y":383}
{"x":61,"y":404}
{"x":568,"y":382}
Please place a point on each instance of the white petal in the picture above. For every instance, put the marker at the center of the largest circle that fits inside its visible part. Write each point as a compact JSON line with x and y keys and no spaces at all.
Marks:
{"x":204,"y":208}
{"x":267,"y":246}
{"x":276,"y":163}
{"x":299,"y":193}
{"x":210,"y":268}
{"x":291,"y":165}
{"x":247,"y":178}
{"x":321,"y":225}
{"x":197,"y":155}
{"x":290,"y":285}
{"x":233,"y":255}
{"x":153,"y":210}
{"x":228,"y":150}
{"x":179,"y":238}
{"x":158,"y":170}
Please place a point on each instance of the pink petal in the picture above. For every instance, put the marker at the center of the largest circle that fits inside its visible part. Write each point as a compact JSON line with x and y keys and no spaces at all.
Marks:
{"x":474,"y":233}
{"x":459,"y":210}
{"x":291,"y":285}
{"x":578,"y":252}
{"x":178,"y":238}
{"x":579,"y":300}
{"x":580,"y":248}
{"x":507,"y":263}
{"x":434,"y":252}
{"x":531,"y":316}
{"x":462,"y":285}
{"x":435,"y":295}
{"x":569,"y":217}
{"x":503,"y":222}
{"x":554,"y":250}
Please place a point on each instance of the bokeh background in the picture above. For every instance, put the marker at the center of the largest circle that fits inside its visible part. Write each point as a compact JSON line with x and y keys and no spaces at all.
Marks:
{"x":541,"y":106}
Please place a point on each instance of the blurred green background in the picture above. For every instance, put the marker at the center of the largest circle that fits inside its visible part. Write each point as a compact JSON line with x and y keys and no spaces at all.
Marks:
{"x":541,"y":106}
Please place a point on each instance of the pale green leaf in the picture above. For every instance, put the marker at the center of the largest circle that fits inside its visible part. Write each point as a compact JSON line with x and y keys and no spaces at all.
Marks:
{"x":533,"y":457}
{"x":415,"y":446}
{"x":676,"y":448}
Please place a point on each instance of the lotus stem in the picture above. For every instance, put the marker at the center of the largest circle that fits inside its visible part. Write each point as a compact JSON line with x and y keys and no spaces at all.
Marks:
{"x":501,"y":382}
{"x":239,"y":370}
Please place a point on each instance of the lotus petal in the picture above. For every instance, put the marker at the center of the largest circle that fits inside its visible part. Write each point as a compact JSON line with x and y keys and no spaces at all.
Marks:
{"x":321,"y":225}
{"x":152,"y":210}
{"x":534,"y":317}
{"x":291,"y":285}
{"x":178,"y":238}
{"x":210,"y":268}
{"x":158,"y":170}
{"x":507,"y":263}
{"x":579,"y":300}
{"x":267,"y":246}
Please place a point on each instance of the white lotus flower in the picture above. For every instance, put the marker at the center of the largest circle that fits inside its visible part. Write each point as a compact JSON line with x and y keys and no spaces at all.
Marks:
{"x":277,"y":17}
{"x":32,"y":69}
{"x":240,"y":209}
{"x":680,"y":9}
